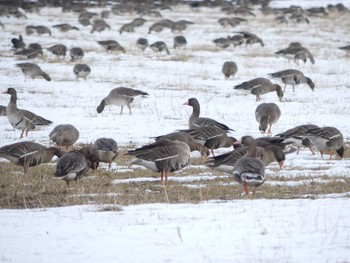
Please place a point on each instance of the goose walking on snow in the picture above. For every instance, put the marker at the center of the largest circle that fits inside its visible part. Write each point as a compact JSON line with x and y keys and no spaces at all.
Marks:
{"x":122,"y":97}
{"x":267,"y":114}
{"x":28,"y":154}
{"x":249,"y":170}
{"x":260,"y":86}
{"x":195,"y":121}
{"x":163,"y":156}
{"x":292,"y":77}
{"x":327,"y":139}
{"x":107,"y":150}
{"x":23,"y":120}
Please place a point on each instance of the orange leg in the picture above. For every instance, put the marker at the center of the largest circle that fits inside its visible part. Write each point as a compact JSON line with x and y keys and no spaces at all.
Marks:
{"x":161,"y":177}
{"x":212,"y":152}
{"x":245,"y":187}
{"x":321,"y":154}
{"x":21,"y":135}
{"x":313,"y":153}
{"x":330,"y":153}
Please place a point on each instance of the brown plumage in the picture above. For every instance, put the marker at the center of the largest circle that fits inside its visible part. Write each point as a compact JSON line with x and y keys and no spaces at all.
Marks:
{"x":32,"y":70}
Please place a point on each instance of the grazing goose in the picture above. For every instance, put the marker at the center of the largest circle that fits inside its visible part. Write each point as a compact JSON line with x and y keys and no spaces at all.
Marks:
{"x":195,"y":121}
{"x":74,"y":165}
{"x":128,"y":27}
{"x":222,"y":42}
{"x":292,"y":77}
{"x":76,"y":53}
{"x":3,"y":110}
{"x":122,"y":97}
{"x":99,"y":25}
{"x":58,"y":50}
{"x":81,"y":71}
{"x":142,"y":43}
{"x":107,"y":150}
{"x":31,"y":52}
{"x":229,"y":69}
{"x":28,"y":154}
{"x":163,"y":156}
{"x":296,"y":136}
{"x":32,"y":70}
{"x":159,"y":46}
{"x":260,"y":86}
{"x":111,"y":45}
{"x":227,"y":161}
{"x":22,"y":119}
{"x":327,"y":139}
{"x":18,"y":43}
{"x":249,"y":170}
{"x":186,"y":138}
{"x":65,"y":27}
{"x":211,"y":137}
{"x":267,"y":114}
{"x":64,"y":135}
{"x":179,"y":42}
{"x":296,"y":53}
{"x":139,"y":21}
{"x":251,"y":38}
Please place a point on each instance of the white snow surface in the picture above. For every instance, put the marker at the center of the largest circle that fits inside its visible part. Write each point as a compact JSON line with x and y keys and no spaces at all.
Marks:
{"x":300,"y":230}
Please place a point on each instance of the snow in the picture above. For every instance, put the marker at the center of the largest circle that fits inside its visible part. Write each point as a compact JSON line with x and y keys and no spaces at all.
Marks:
{"x":299,"y":230}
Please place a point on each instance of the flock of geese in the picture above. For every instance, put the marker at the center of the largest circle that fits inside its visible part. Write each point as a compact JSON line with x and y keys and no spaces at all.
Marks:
{"x":170,"y":152}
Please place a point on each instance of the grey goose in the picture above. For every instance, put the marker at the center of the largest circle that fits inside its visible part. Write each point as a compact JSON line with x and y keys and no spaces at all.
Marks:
{"x":128,"y":27}
{"x":111,"y":45}
{"x":251,"y":38}
{"x":249,"y":170}
{"x":260,"y":86}
{"x":38,"y":29}
{"x":267,"y":114}
{"x":64,"y":135}
{"x":3,"y":110}
{"x":28,"y":154}
{"x":222,"y":42}
{"x":327,"y":139}
{"x":76,"y":53}
{"x":195,"y":121}
{"x":58,"y":50}
{"x":229,"y":68}
{"x":139,"y":21}
{"x":99,"y":25}
{"x":18,"y":43}
{"x":142,"y":43}
{"x":65,"y":27}
{"x":32,"y":70}
{"x":108,"y":150}
{"x":23,"y":120}
{"x":163,"y":156}
{"x":81,"y":70}
{"x":122,"y":96}
{"x":33,"y":51}
{"x":74,"y":165}
{"x":159,"y":46}
{"x":292,"y":77}
{"x":180,"y":42}
{"x":296,"y":52}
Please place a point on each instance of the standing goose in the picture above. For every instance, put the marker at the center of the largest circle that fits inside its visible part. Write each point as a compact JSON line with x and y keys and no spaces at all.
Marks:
{"x":76,"y":53}
{"x":107,"y":150}
{"x":23,"y":120}
{"x":163,"y":156}
{"x":58,"y":50}
{"x":211,"y":137}
{"x":195,"y":121}
{"x":180,"y":41}
{"x":159,"y":46}
{"x":111,"y":45}
{"x":142,"y":43}
{"x":292,"y":77}
{"x":32,"y":70}
{"x":260,"y":86}
{"x":74,"y":165}
{"x":296,"y":136}
{"x":81,"y":71}
{"x":249,"y":170}
{"x":327,"y":139}
{"x":186,"y":138}
{"x":296,"y":52}
{"x":28,"y":154}
{"x":122,"y":97}
{"x":267,"y":114}
{"x":229,"y":68}
{"x":64,"y":135}
{"x":3,"y":110}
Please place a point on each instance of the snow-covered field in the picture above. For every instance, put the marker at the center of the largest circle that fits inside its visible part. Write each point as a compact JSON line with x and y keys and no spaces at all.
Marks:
{"x":242,"y":231}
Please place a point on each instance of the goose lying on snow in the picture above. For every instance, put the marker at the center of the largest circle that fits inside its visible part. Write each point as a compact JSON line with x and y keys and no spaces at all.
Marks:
{"x":163,"y":156}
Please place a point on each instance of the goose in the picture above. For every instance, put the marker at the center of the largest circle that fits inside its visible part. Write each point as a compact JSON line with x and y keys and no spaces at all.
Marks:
{"x":327,"y":139}
{"x":186,"y":138}
{"x":74,"y":165}
{"x":76,"y":53}
{"x":142,"y":43}
{"x":195,"y":121}
{"x":3,"y":110}
{"x":179,"y":42}
{"x":22,"y":119}
{"x":99,"y":25}
{"x":122,"y":97}
{"x":236,"y":40}
{"x":267,"y":114}
{"x":139,"y":21}
{"x":18,"y":43}
{"x":250,"y":38}
{"x":65,"y":27}
{"x":32,"y":70}
{"x":296,"y":53}
{"x":260,"y":86}
{"x":58,"y":50}
{"x":64,"y":135}
{"x":156,"y":27}
{"x":292,"y":77}
{"x":159,"y":46}
{"x":81,"y":71}
{"x":249,"y":170}
{"x":345,"y":48}
{"x":107,"y":150}
{"x":226,"y":162}
{"x":111,"y":45}
{"x":128,"y":27}
{"x":29,"y":52}
{"x":163,"y":156}
{"x":296,"y":136}
{"x":211,"y":137}
{"x":43,"y":30}
{"x":222,"y":42}
{"x":28,"y":154}
{"x":229,"y":68}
